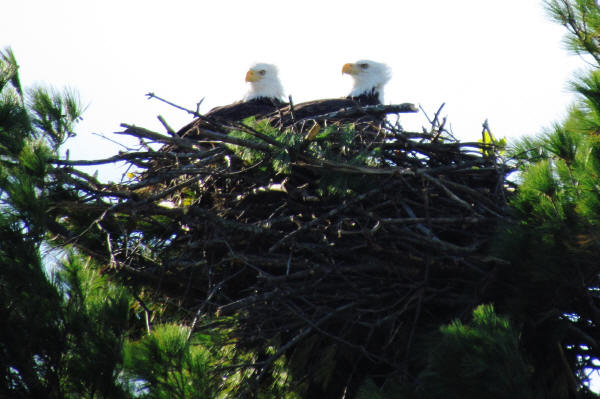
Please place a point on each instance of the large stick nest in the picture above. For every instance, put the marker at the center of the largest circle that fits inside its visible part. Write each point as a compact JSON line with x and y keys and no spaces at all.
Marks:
{"x":359,"y":233}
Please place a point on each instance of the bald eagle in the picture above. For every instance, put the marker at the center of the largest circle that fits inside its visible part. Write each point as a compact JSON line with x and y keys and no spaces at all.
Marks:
{"x":265,"y":95}
{"x":369,"y":79}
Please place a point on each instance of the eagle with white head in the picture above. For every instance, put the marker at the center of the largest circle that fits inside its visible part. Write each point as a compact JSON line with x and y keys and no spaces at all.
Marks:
{"x":265,"y":95}
{"x":369,"y":78}
{"x":264,"y":83}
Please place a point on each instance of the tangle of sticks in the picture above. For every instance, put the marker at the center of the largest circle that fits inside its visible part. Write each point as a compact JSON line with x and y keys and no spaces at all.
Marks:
{"x":359,"y":234}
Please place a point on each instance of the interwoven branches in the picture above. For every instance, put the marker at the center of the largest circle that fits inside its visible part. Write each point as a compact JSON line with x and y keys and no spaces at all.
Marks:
{"x":359,"y":234}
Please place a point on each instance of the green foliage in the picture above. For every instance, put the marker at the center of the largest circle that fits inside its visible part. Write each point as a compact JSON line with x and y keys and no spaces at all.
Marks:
{"x":31,"y":342}
{"x":491,"y":145}
{"x":14,"y":119}
{"x":9,"y":72}
{"x":31,"y":347}
{"x":96,"y":314}
{"x":279,"y":158}
{"x":559,"y":175}
{"x":581,"y":18}
{"x":42,"y":112}
{"x":391,"y":389}
{"x":65,"y":336}
{"x":62,"y":338}
{"x":555,"y":232}
{"x":14,"y":123}
{"x":476,"y":360}
{"x":164,"y":364}
{"x":332,"y":144}
{"x":55,"y":114}
{"x":588,"y":86}
{"x":172,"y":362}
{"x":540,"y":186}
{"x":558,"y":203}
{"x":479,"y":359}
{"x":558,"y":143}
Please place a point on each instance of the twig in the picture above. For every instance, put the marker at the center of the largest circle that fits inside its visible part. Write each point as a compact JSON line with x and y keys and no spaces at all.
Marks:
{"x":367,"y":110}
{"x":152,"y":95}
{"x":166,"y":125}
{"x":141,"y":132}
{"x":329,"y":214}
{"x":128,"y":156}
{"x":112,"y":141}
{"x":198,"y":104}
{"x":267,"y":363}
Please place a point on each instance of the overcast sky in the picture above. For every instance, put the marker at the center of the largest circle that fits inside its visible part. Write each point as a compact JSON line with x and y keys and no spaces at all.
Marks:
{"x":501,"y":60}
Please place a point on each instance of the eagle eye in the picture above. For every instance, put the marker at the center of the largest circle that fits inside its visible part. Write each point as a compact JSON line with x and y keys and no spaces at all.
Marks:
{"x":364,"y":66}
{"x":262,"y":72}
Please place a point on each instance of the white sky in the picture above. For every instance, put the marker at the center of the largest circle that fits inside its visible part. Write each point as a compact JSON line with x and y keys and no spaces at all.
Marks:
{"x":501,"y":60}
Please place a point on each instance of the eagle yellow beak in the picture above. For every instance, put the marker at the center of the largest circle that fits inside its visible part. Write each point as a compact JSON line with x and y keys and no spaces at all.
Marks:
{"x":252,"y":76}
{"x":348,"y":68}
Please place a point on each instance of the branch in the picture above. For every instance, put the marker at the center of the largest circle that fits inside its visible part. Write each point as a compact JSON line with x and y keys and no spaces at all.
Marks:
{"x":329,"y":214}
{"x":367,"y":110}
{"x":152,"y":95}
{"x":126,"y":156}
{"x":188,"y":143}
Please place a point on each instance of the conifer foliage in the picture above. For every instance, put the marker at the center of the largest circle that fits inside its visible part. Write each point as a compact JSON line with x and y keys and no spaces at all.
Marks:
{"x":61,"y":336}
{"x":553,"y":283}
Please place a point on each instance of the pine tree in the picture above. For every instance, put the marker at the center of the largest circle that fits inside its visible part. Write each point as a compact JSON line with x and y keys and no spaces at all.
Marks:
{"x":62,"y":331}
{"x":478,"y":359}
{"x":548,"y":288}
{"x":70,"y":331}
{"x":551,"y":289}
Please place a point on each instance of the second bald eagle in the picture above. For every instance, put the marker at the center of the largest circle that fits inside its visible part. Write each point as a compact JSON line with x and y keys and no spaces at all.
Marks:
{"x":369,"y":78}
{"x":264,"y":96}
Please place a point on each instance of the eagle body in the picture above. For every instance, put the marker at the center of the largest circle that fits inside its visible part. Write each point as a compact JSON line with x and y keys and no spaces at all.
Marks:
{"x":264,"y":97}
{"x":369,"y":79}
{"x":370,"y":97}
{"x":217,"y":117}
{"x":320,"y":107}
{"x":258,"y":107}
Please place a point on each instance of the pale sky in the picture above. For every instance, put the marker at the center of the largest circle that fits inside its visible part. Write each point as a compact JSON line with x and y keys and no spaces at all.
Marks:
{"x":501,"y":60}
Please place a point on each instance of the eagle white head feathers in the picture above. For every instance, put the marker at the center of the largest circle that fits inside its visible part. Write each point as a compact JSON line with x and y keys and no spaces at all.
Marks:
{"x":369,"y":78}
{"x":264,"y":82}
{"x":266,"y":98}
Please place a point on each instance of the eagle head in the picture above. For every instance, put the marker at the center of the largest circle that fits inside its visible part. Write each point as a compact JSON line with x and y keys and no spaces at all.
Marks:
{"x":264,"y":82}
{"x":369,"y":77}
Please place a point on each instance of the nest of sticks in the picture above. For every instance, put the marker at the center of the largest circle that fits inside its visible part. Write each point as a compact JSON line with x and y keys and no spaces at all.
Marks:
{"x":356,"y":232}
